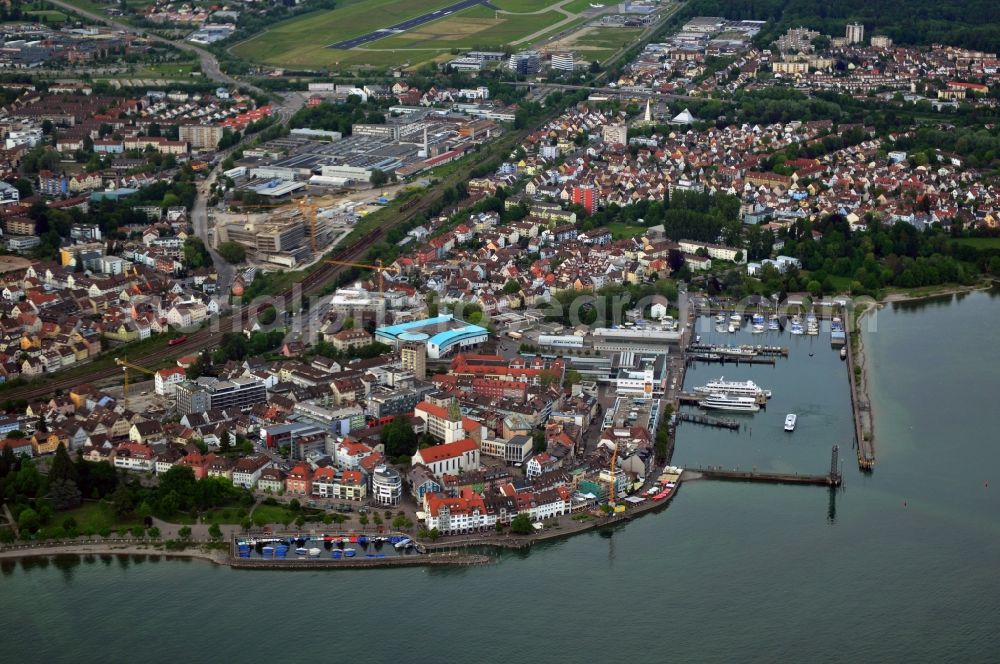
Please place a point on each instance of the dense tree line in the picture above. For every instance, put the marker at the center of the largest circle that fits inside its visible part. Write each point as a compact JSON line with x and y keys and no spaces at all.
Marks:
{"x":885,"y":255}
{"x":684,"y":215}
{"x":968,"y":23}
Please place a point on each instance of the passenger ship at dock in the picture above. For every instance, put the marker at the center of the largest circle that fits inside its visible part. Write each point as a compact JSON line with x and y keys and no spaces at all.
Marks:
{"x":738,"y":388}
{"x":730,"y":402}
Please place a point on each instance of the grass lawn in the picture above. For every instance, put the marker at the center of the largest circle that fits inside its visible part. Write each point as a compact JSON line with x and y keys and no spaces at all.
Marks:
{"x":841,"y":284}
{"x":476,"y":26}
{"x":523,"y":5}
{"x":166,"y":70}
{"x":96,"y":515}
{"x":621,"y":231}
{"x":577,"y":6}
{"x":606,"y":38}
{"x":979,"y":242}
{"x":225,"y":515}
{"x":274,"y":513}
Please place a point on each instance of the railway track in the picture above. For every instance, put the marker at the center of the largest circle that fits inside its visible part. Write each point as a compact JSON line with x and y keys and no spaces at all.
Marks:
{"x":313,"y":282}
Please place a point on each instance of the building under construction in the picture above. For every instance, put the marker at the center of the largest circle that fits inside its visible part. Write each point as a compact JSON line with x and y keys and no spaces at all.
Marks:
{"x":281,"y":237}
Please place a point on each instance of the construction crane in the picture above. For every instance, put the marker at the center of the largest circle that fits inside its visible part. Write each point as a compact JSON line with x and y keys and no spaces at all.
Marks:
{"x":378,"y":267}
{"x":308,"y":210}
{"x":611,"y":482}
{"x":126,"y":365}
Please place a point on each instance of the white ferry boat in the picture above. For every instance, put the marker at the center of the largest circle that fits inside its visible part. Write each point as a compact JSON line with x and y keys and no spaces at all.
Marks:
{"x":797,"y":326}
{"x":740,"y":388}
{"x":729,"y":402}
{"x":790,"y":422}
{"x":736,"y":320}
{"x":772,"y":324}
{"x":758,"y":328}
{"x":720,"y":318}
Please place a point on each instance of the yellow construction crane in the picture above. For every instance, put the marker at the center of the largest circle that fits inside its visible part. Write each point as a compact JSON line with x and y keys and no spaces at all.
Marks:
{"x":611,"y":482}
{"x":378,"y":267}
{"x":308,"y":210}
{"x":126,"y":365}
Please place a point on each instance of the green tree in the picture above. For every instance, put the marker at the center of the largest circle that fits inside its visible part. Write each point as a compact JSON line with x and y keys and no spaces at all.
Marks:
{"x":538,"y":441}
{"x":64,"y":494}
{"x":399,"y":438}
{"x":232,"y":252}
{"x":122,"y":501}
{"x":378,"y":178}
{"x":521,"y":525}
{"x":184,"y":533}
{"x":28,"y":520}
{"x":215,"y":532}
{"x":195,"y":253}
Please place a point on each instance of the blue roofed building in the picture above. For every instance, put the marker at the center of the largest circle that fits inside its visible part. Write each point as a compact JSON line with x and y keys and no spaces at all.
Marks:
{"x":441,"y":334}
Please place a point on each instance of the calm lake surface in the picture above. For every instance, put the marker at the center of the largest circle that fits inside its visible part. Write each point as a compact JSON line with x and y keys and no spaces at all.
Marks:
{"x":899,"y":566}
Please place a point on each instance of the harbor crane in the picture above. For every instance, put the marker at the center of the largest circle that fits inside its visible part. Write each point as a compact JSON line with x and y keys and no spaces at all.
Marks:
{"x":126,"y":365}
{"x":377,"y":267}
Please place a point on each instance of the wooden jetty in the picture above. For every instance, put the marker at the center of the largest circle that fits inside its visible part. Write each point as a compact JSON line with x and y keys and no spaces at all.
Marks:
{"x":757,"y":476}
{"x":720,"y":422}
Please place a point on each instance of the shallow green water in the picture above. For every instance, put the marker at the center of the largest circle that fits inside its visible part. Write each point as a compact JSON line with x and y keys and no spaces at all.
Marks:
{"x":899,"y":566}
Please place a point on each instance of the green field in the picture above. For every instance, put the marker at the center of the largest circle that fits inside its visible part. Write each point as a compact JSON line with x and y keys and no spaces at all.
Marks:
{"x":476,"y":26}
{"x":302,"y":41}
{"x":166,"y":70}
{"x":50,"y":15}
{"x":599,"y":43}
{"x":97,"y":516}
{"x":577,"y":6}
{"x":520,"y":6}
{"x":623,"y":231}
{"x":979,"y":242}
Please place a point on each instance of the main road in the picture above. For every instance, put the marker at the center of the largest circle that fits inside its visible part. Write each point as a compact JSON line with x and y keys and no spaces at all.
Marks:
{"x":209,"y":63}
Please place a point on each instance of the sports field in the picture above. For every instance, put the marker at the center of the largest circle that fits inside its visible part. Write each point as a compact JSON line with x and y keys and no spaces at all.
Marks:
{"x":303,"y":41}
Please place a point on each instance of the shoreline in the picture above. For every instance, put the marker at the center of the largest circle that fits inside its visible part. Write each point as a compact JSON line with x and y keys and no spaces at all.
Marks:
{"x":447,"y":553}
{"x":109,"y":548}
{"x":902,"y":296}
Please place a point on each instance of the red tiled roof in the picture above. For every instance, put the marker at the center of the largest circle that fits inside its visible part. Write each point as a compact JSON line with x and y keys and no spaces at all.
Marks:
{"x":447,"y":450}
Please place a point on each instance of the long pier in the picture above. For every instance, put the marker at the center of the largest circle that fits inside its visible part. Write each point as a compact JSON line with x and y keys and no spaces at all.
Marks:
{"x":757,"y":476}
{"x":865,"y":443}
{"x":719,"y":422}
{"x":767,"y":351}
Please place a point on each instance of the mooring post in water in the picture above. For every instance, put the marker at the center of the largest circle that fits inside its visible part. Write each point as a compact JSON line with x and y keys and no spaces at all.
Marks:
{"x":835,"y":465}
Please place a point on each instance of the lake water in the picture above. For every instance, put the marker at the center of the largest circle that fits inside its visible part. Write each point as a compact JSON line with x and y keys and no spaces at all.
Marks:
{"x":899,"y":566}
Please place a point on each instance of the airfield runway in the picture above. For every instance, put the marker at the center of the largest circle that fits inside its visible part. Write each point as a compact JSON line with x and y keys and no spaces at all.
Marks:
{"x":407,"y":24}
